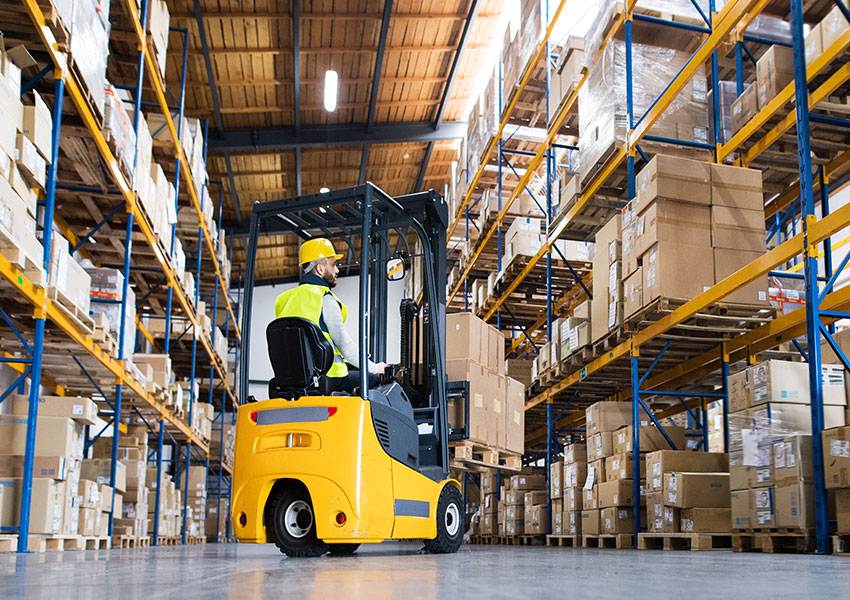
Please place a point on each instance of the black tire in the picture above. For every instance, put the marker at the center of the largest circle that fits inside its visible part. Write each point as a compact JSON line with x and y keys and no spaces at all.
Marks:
{"x":298,"y":538}
{"x":450,"y":523}
{"x":342,"y":549}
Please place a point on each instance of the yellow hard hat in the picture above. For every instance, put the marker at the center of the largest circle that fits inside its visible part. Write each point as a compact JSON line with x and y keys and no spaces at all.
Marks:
{"x":315,"y":249}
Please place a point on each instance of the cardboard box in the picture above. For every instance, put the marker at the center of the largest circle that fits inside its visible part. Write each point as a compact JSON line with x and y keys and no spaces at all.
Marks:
{"x":736,"y":187}
{"x":512,"y":432}
{"x":46,"y":504}
{"x":741,"y":509}
{"x":774,"y":71}
{"x":676,"y":271}
{"x":615,"y":493}
{"x":595,"y":472}
{"x":744,"y":107}
{"x":777,"y":419}
{"x":633,"y":293}
{"x":600,"y":445}
{"x":575,"y":474}
{"x":572,"y":522}
{"x":556,"y":471}
{"x":836,"y":457}
{"x":589,"y":498}
{"x":572,"y":499}
{"x":486,"y":393}
{"x":53,"y":467}
{"x":575,"y":453}
{"x":99,"y":470}
{"x":38,"y":126}
{"x":590,"y":524}
{"x":528,"y":482}
{"x":607,"y":416}
{"x":675,"y":222}
{"x":83,"y":410}
{"x":842,"y":510}
{"x":737,"y":228}
{"x":794,"y":504}
{"x":706,"y":520}
{"x":655,"y":511}
{"x":618,"y":520}
{"x":814,"y":44}
{"x":832,"y":26}
{"x":740,"y":390}
{"x":651,"y":438}
{"x":620,"y":466}
{"x":538,"y":521}
{"x":55,"y":436}
{"x":466,"y":335}
{"x":728,"y":261}
{"x":666,"y":461}
{"x":696,"y":490}
{"x":788,"y":382}
{"x":672,"y":178}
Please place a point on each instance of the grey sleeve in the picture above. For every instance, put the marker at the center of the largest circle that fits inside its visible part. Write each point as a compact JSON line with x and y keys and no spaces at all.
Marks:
{"x":332,"y":315}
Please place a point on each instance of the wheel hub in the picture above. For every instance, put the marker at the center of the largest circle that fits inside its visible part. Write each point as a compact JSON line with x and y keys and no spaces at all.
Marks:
{"x":452,"y":519}
{"x":298,"y":519}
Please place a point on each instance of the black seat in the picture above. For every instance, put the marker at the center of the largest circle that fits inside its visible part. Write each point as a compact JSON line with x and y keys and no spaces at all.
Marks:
{"x":299,"y":354}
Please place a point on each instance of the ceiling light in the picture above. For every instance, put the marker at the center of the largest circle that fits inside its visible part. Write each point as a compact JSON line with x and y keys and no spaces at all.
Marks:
{"x":322,"y":209}
{"x":406,"y":155}
{"x":324,"y":190}
{"x":331,"y":90}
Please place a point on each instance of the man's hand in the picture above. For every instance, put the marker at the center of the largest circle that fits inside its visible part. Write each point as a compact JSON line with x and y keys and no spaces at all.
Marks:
{"x":381,"y":367}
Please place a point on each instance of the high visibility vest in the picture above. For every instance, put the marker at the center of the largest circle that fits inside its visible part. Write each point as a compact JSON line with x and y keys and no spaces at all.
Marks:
{"x":305,"y":301}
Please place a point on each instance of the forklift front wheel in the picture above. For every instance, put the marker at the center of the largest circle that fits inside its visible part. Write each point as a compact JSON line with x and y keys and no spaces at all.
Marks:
{"x":293,"y":524}
{"x":450,"y":527}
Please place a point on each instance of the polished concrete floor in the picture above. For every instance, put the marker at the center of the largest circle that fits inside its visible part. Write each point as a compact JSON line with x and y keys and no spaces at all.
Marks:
{"x":401,"y":570}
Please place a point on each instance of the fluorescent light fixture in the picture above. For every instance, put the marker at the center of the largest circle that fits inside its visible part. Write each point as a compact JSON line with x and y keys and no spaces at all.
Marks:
{"x":331,"y":90}
{"x":324,"y":190}
{"x":323,"y":210}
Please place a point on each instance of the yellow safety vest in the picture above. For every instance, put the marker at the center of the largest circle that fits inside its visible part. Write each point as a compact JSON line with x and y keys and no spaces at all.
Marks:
{"x":305,"y":301}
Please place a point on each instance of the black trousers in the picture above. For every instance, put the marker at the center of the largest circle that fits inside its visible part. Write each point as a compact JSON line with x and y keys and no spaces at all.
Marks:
{"x":348,"y":383}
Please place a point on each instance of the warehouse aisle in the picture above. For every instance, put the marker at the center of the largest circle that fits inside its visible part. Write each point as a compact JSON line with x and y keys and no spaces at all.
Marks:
{"x":399,"y":570}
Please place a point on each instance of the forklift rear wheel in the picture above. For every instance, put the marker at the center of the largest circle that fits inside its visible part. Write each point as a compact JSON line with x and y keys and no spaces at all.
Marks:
{"x":294,"y":526}
{"x":450,"y":527}
{"x":342,"y":549}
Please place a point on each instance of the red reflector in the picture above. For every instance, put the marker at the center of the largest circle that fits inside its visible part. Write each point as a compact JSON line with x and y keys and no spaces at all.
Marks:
{"x":254,"y":416}
{"x":332,"y":412}
{"x":340,"y":516}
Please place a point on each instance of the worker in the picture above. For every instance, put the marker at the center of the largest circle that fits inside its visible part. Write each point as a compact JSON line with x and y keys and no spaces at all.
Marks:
{"x":313,"y":300}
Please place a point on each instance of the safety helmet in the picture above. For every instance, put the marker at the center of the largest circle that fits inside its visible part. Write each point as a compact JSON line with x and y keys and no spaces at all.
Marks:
{"x":315,"y":249}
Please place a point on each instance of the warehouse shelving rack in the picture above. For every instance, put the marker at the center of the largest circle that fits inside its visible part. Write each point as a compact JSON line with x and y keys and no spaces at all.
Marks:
{"x":53,"y":327}
{"x":631,"y":364}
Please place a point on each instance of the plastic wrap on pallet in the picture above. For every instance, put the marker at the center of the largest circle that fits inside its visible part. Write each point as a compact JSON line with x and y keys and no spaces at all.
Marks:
{"x":771,"y":28}
{"x":90,"y":49}
{"x":602,"y":108}
{"x":158,"y":20}
{"x":106,"y":283}
{"x":112,"y":312}
{"x":610,"y":9}
{"x":728,"y":93}
{"x":118,"y":129}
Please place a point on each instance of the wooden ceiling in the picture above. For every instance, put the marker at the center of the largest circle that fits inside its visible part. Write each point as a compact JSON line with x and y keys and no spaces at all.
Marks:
{"x":251,"y":48}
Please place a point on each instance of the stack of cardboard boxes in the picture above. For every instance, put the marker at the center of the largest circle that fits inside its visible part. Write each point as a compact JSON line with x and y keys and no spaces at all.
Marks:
{"x":491,"y":505}
{"x":687,"y":487}
{"x":684,"y":211}
{"x":134,"y":521}
{"x":197,"y":502}
{"x":222,"y":443}
{"x":476,"y":353}
{"x":770,"y":442}
{"x":170,"y":505}
{"x":567,"y":73}
{"x":525,"y":504}
{"x":572,"y":482}
{"x":606,"y":306}
{"x":569,"y":334}
{"x":56,"y":501}
{"x":836,"y":454}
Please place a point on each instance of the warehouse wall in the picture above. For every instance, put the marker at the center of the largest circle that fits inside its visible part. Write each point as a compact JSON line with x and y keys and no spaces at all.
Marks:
{"x":347,"y":290}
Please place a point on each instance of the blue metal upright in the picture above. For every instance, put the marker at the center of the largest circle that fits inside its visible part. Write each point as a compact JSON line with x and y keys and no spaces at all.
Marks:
{"x":813,"y":297}
{"x":38,"y":339}
{"x":158,"y":495}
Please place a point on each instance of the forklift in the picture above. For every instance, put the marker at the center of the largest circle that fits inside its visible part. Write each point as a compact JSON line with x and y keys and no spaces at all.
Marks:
{"x":318,"y":472}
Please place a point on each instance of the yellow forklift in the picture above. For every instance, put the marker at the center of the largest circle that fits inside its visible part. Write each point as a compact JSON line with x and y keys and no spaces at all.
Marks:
{"x":318,"y":472}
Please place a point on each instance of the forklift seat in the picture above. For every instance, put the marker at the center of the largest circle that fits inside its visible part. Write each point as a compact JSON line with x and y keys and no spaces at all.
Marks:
{"x":300,"y":356}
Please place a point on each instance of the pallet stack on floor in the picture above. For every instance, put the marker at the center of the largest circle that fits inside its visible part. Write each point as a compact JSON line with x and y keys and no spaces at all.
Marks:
{"x":771,"y":461}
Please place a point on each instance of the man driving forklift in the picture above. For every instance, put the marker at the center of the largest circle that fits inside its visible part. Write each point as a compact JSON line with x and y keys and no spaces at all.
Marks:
{"x":312,"y":299}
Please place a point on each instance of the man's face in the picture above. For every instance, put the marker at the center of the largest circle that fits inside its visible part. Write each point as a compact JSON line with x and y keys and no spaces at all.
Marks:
{"x":328,"y":270}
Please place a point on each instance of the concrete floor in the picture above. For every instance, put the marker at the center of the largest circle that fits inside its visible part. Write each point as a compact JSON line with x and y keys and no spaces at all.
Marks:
{"x":401,"y":570}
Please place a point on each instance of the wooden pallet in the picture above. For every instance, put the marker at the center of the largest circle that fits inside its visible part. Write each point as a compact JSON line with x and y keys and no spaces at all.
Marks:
{"x":841,"y":544}
{"x":564,"y":541}
{"x":55,"y":24}
{"x":30,"y":266}
{"x":774,"y":541}
{"x":474,"y":456}
{"x":608,"y":342}
{"x":610,"y":540}
{"x":684,"y":541}
{"x":713,"y":320}
{"x":196,"y":539}
{"x":80,"y":317}
{"x":528,"y":539}
{"x":487,"y":540}
{"x":131,"y":541}
{"x":166,"y":540}
{"x":96,"y":111}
